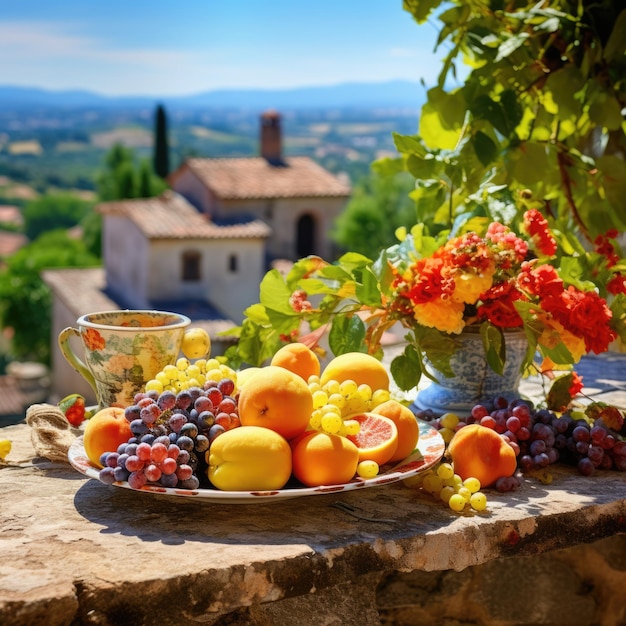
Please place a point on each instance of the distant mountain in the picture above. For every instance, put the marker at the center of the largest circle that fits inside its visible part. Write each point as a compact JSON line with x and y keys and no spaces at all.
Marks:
{"x":392,"y":94}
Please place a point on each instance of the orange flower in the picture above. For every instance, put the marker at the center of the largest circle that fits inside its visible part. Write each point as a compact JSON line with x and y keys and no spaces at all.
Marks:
{"x":446,"y":316}
{"x":93,"y":339}
{"x":468,"y":286}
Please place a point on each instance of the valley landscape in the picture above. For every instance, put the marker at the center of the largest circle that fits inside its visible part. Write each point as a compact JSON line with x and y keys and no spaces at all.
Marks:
{"x":57,"y":140}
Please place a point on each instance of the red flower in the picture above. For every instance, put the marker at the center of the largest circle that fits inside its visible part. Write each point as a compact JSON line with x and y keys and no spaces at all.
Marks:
{"x":617,"y":284}
{"x":576,"y":385}
{"x":298,"y":301}
{"x":498,"y":306}
{"x":430,"y":282}
{"x":605,"y":246}
{"x":585,"y":314}
{"x":540,"y":281}
{"x":537,"y":227}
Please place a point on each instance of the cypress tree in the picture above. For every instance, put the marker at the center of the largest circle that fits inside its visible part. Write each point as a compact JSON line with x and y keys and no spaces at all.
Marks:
{"x":161,"y":149}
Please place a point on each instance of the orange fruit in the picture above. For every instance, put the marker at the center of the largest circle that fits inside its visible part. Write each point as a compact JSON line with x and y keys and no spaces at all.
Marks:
{"x":249,"y":458}
{"x":299,"y":359}
{"x":323,"y":459}
{"x":278,"y":399}
{"x":406,"y":423}
{"x":360,"y":367}
{"x":377,"y":439}
{"x":104,"y":432}
{"x":480,"y":452}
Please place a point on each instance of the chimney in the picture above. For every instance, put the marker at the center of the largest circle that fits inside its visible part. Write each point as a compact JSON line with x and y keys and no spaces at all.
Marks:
{"x":271,"y":148}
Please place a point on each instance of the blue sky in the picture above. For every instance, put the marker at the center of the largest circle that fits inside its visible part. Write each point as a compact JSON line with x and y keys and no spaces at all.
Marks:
{"x":136,"y":47}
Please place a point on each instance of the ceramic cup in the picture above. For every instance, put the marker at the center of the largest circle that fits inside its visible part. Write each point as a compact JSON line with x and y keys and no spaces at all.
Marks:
{"x":123,"y":350}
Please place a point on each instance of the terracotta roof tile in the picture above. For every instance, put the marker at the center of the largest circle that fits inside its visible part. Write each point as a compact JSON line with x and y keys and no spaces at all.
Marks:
{"x":10,"y":243}
{"x":170,"y":216}
{"x":253,"y":178}
{"x":80,"y":290}
{"x":11,"y":214}
{"x":84,"y":291}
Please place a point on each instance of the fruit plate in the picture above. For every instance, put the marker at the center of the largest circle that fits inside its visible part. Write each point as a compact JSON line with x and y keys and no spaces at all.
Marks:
{"x":430,"y":449}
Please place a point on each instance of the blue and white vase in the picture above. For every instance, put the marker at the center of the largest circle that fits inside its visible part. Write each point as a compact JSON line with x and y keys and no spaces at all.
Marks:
{"x":474,"y":381}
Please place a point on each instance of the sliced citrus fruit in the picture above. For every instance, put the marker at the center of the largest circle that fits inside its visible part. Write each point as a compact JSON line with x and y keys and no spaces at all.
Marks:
{"x":377,"y":439}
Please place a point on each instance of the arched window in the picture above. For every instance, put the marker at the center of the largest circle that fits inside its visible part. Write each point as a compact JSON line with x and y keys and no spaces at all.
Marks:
{"x":191,"y":265}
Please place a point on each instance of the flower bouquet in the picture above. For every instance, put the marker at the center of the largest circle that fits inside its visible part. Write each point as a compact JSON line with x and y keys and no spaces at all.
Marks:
{"x":568,"y":300}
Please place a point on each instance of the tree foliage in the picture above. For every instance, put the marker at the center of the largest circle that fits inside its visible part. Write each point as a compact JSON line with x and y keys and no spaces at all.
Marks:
{"x":537,"y":122}
{"x":25,"y":300}
{"x":161,"y":147}
{"x":124,"y":178}
{"x":378,"y":206}
{"x":53,"y":211}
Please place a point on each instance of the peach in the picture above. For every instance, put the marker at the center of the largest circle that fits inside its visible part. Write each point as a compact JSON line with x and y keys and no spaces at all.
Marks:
{"x":278,"y":399}
{"x":480,"y":452}
{"x":299,"y":359}
{"x":104,"y":432}
{"x":323,"y":459}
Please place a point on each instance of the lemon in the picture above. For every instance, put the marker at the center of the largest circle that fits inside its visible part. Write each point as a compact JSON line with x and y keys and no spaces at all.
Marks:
{"x":196,"y":343}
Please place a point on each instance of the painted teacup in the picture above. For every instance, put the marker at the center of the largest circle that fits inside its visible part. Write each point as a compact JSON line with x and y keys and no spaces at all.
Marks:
{"x":123,"y":350}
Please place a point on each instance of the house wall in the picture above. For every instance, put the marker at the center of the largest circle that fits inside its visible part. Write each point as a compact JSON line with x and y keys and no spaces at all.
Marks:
{"x":282,"y":216}
{"x":189,"y":186}
{"x":231,"y":292}
{"x":125,"y":251}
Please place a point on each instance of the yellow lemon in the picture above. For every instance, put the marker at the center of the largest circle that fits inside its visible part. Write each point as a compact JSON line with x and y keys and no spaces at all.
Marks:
{"x":196,"y":343}
{"x":249,"y":458}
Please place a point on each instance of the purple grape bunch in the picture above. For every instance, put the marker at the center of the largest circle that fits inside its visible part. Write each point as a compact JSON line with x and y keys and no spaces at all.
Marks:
{"x":171,"y":436}
{"x":540,"y":438}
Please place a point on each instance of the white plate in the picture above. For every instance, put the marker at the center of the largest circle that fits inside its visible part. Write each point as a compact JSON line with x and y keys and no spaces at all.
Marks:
{"x":430,"y":449}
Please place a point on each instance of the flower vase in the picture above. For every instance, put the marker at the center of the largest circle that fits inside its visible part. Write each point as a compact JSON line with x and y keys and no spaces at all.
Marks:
{"x":474,"y":382}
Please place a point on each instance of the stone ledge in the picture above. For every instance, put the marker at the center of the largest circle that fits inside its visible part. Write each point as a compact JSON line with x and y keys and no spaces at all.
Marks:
{"x":93,"y":550}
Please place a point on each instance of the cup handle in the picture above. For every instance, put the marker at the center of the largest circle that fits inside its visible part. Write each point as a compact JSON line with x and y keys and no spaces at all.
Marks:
{"x":70,"y":356}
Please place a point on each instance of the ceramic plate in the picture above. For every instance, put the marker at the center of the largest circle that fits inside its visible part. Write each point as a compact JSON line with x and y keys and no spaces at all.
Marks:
{"x":430,"y":449}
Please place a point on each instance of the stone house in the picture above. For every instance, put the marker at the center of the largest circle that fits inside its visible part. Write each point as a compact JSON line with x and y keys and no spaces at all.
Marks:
{"x":202,"y":247}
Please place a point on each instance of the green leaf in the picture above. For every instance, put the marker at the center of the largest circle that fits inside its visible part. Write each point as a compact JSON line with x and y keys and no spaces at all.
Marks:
{"x":283,"y":323}
{"x":442,"y":118}
{"x":618,"y":322}
{"x":256,"y":344}
{"x":559,"y":398}
{"x":274,"y":292}
{"x":347,"y":334}
{"x":510,"y":45}
{"x":367,"y":291}
{"x":257,"y":314}
{"x":563,"y":87}
{"x":615,"y":47}
{"x":420,"y":9}
{"x":409,"y":144}
{"x":406,"y":369}
{"x":485,"y":148}
{"x":606,"y":111}
{"x":504,"y":115}
{"x":388,"y":167}
{"x":494,"y":345}
{"x":614,"y":177}
{"x":424,"y":168}
{"x":437,"y":347}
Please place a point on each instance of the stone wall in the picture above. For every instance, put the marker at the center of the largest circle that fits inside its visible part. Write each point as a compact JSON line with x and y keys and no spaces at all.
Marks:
{"x":582,"y":585}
